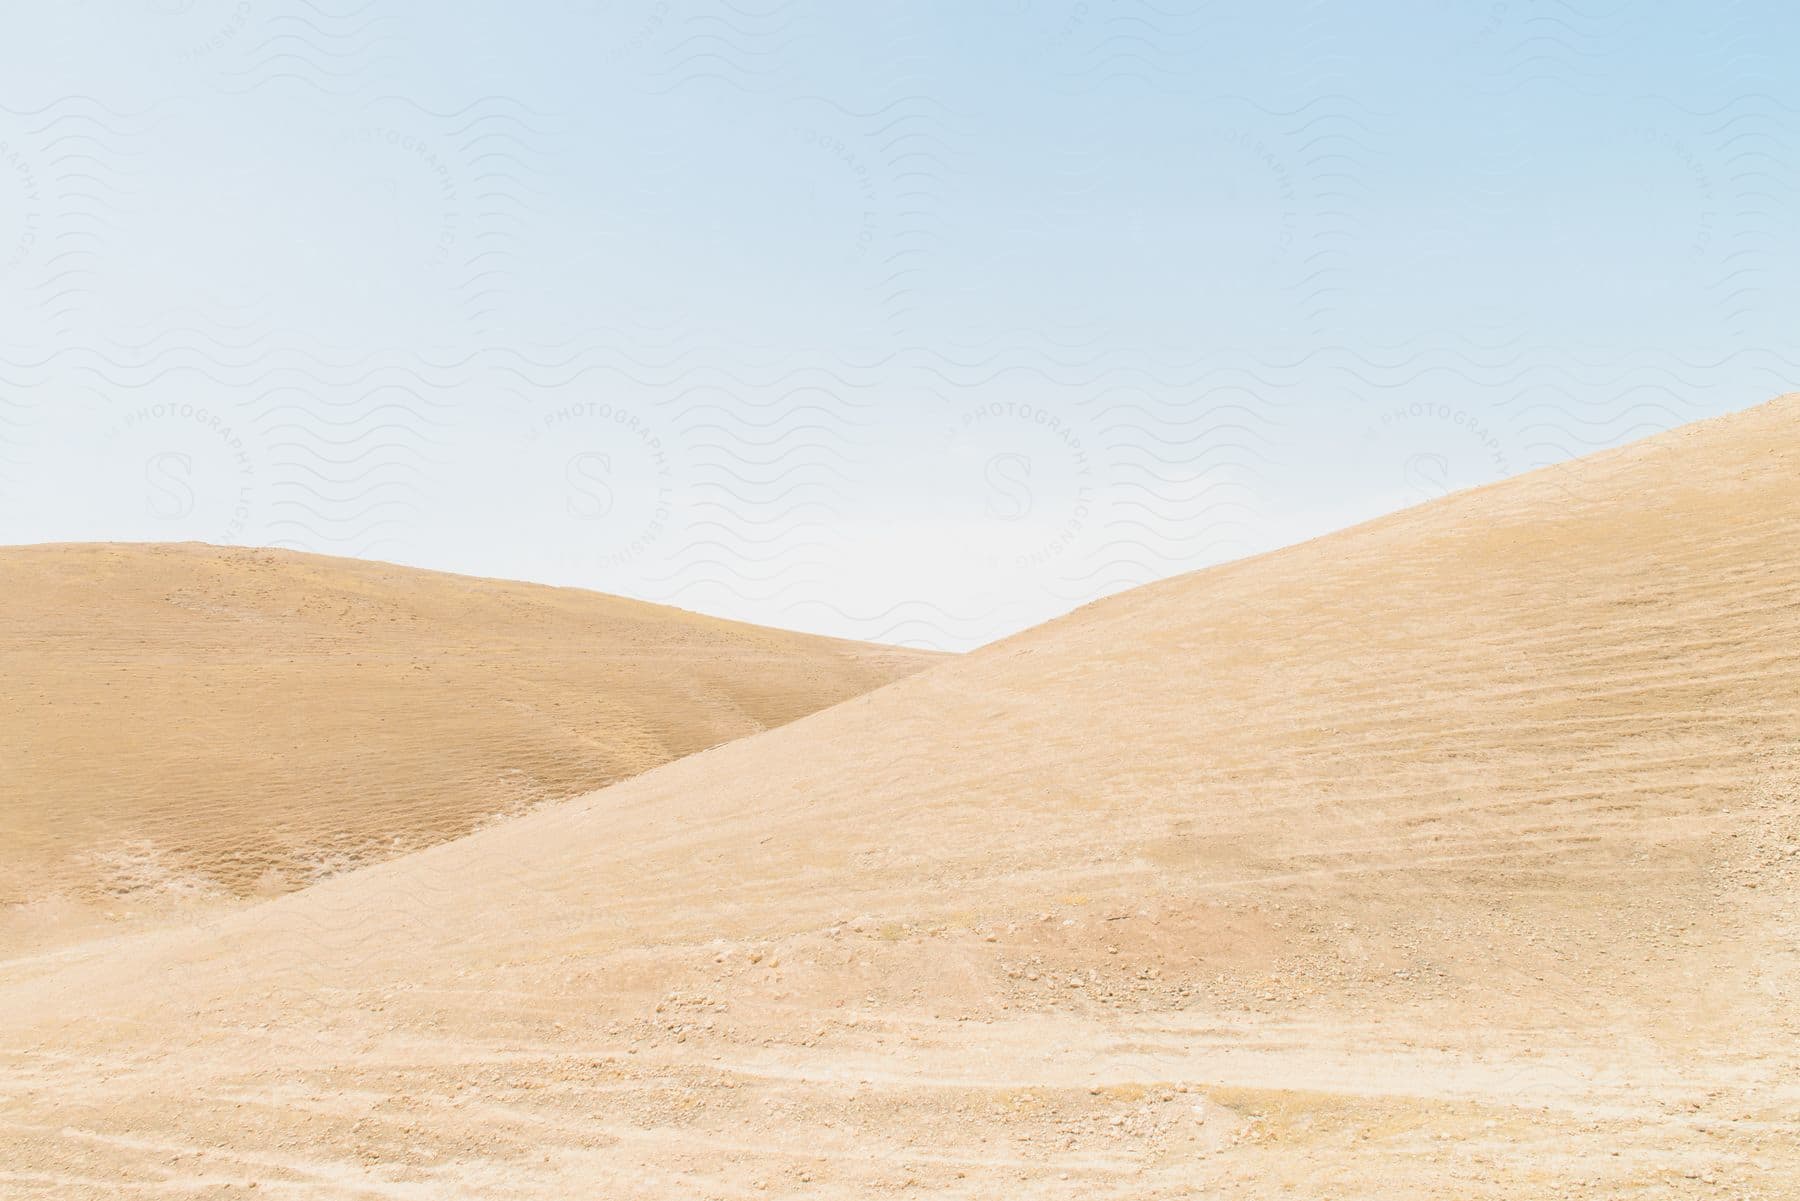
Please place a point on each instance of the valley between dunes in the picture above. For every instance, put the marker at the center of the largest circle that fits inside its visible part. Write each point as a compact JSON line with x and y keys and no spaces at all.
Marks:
{"x":1453,"y":855}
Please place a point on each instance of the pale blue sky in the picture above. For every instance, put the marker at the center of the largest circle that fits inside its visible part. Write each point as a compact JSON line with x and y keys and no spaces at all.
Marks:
{"x":921,"y":323}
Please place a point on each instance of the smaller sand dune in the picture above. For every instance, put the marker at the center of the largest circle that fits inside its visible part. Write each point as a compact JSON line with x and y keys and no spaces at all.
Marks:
{"x":185,"y":723}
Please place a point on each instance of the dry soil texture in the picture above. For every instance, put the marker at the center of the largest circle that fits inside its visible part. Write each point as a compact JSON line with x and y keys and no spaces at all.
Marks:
{"x":183,"y":725}
{"x":1454,"y":855}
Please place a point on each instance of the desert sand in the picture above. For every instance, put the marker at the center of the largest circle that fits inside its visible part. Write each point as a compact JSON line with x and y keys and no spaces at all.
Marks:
{"x":1453,"y":855}
{"x":185,"y":725}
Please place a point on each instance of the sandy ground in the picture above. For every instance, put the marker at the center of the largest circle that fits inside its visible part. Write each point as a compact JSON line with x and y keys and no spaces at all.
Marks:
{"x":1455,"y":855}
{"x":184,"y":725}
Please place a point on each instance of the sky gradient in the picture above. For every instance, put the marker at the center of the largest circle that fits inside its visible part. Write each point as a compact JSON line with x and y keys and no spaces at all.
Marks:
{"x":916,"y":323}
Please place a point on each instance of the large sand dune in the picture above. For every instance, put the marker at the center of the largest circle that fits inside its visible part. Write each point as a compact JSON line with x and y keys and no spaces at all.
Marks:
{"x":187,"y":724}
{"x":1453,"y":855}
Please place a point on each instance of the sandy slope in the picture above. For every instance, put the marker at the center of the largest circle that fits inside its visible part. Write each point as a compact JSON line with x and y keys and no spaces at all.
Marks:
{"x":1454,"y":856}
{"x":190,"y":722}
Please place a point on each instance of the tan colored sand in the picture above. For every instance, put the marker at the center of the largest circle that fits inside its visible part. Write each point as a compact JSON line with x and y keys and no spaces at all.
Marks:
{"x":183,"y":724}
{"x":1450,"y":856}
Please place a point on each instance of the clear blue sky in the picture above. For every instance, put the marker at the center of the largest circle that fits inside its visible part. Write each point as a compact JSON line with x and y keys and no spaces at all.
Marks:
{"x":918,"y":322}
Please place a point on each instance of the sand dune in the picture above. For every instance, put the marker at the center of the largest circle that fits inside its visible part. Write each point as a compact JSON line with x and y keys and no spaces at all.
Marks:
{"x":1452,"y":855}
{"x":186,"y":724}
